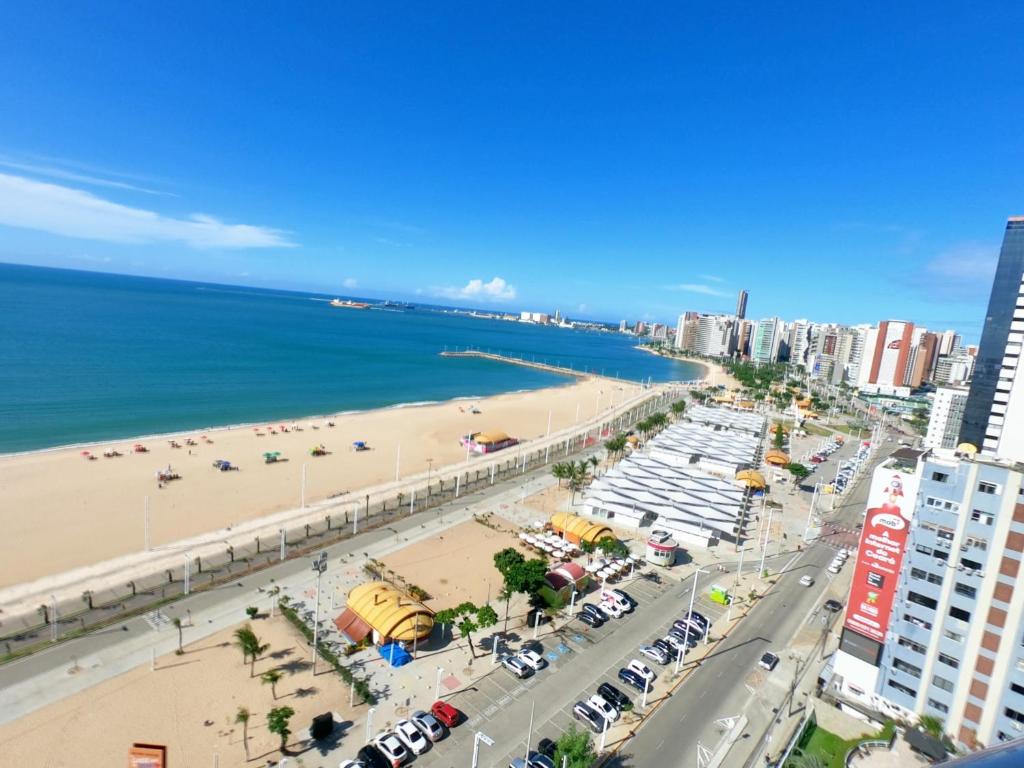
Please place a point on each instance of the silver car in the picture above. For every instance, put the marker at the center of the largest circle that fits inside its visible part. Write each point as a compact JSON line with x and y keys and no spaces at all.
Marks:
{"x":429,"y":725}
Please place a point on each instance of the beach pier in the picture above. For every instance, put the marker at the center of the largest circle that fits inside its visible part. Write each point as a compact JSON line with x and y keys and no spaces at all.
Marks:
{"x":500,"y":358}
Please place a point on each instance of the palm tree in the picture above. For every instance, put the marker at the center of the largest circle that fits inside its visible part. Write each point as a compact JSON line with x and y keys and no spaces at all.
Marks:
{"x":176,"y":621}
{"x":251,"y":647}
{"x":271,"y":678}
{"x":615,"y":445}
{"x":277,"y":722}
{"x":242,"y":716}
{"x":811,"y":761}
{"x":560,"y":471}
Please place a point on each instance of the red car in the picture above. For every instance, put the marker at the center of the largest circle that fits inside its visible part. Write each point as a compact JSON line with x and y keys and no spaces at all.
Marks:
{"x":446,"y":713}
{"x":817,"y":459}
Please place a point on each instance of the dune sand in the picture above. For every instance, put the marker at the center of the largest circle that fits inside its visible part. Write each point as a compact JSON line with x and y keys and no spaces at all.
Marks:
{"x":62,"y":511}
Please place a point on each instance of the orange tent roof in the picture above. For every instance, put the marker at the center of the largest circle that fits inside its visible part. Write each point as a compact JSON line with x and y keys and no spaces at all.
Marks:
{"x":776,"y":457}
{"x":580,"y":527}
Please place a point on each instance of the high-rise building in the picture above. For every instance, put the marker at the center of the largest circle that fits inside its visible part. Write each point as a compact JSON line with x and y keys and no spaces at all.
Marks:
{"x":922,"y":357}
{"x":947,"y":414}
{"x":640,"y":328}
{"x":741,"y":305}
{"x":800,"y":343}
{"x":715,"y":336}
{"x":746,"y":330}
{"x":994,"y":416}
{"x":955,"y":368}
{"x":886,"y":369}
{"x":622,"y":326}
{"x":686,"y":331}
{"x":862,"y":352}
{"x":764,"y":345}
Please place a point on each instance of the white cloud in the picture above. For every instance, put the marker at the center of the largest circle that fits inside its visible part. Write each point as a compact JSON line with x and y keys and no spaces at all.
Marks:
{"x":66,"y":175}
{"x":496,"y":290}
{"x":706,"y":290}
{"x":963,"y":272}
{"x":350,"y":282}
{"x":712,"y":278}
{"x":71,"y":212}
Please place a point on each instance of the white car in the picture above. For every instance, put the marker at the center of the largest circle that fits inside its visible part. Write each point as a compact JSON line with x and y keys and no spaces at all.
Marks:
{"x":842,"y":553}
{"x":608,"y":596}
{"x":516,"y":666}
{"x":391,"y":747}
{"x":611,"y":714}
{"x":835,"y":567}
{"x":806,"y":581}
{"x":532,"y":659}
{"x":641,"y":669}
{"x":411,"y":737}
{"x":612,"y":609}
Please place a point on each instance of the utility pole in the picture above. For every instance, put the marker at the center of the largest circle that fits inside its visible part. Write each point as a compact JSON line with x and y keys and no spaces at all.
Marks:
{"x":319,"y":565}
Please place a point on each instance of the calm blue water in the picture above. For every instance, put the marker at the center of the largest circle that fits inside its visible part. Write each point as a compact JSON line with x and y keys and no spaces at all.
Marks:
{"x":86,"y":356}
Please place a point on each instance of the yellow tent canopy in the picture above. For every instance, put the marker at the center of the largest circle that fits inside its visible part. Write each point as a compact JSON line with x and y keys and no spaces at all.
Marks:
{"x":967,"y":448}
{"x":751,"y":478}
{"x":486,"y":438}
{"x":390,"y":613}
{"x":776,"y":458}
{"x":576,"y":529}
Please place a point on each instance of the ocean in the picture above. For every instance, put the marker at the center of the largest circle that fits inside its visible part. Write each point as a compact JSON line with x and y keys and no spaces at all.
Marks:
{"x":87,"y":356}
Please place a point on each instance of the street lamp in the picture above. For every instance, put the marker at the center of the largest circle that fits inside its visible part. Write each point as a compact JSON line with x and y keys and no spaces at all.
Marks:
{"x":689,"y":613}
{"x":430,"y":465}
{"x":319,"y":565}
{"x":477,"y":738}
{"x":437,"y":683}
{"x":369,"y":722}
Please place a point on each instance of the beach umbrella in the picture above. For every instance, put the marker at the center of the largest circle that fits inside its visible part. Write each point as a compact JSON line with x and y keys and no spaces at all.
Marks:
{"x":85,"y":453}
{"x":524,"y":536}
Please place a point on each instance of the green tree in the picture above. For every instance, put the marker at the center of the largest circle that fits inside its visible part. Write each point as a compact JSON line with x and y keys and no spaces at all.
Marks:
{"x":520,"y":575}
{"x":575,"y":745}
{"x":278,"y":720}
{"x":615,"y":446}
{"x":560,"y":471}
{"x":678,"y":408}
{"x":811,"y":761}
{"x":612,"y":547}
{"x":468,"y":618}
{"x":932,"y":725}
{"x":272,"y":678}
{"x":251,"y":647}
{"x":242,"y":716}
{"x":176,"y":621}
{"x":798,"y":471}
{"x":780,"y":437}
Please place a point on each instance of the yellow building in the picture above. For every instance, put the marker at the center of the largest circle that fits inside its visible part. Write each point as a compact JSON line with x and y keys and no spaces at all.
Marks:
{"x":379,"y":608}
{"x":575,"y":529}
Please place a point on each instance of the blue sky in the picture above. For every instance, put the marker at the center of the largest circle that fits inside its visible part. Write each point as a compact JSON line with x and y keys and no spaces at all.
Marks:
{"x":608,"y":159}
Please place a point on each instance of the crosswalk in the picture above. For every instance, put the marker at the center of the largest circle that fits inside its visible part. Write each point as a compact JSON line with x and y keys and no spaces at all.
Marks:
{"x":157,"y":620}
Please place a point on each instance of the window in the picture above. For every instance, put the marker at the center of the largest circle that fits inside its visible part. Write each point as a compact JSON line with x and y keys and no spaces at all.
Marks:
{"x":974,"y":565}
{"x":919,"y":599}
{"x":917,"y":573}
{"x":904,"y":666}
{"x":959,"y":613}
{"x":940,"y":477}
{"x":908,"y":643}
{"x":945,"y":534}
{"x":956,"y":637}
{"x":909,"y":617}
{"x":989,"y":488}
{"x":1017,"y":688}
{"x":934,"y":578}
{"x":943,"y":683}
{"x":935,"y":503}
{"x":984,"y":518}
{"x":966,"y":591}
{"x":938,"y":706}
{"x":1014,"y":715}
{"x":924,"y":550}
{"x":938,"y":554}
{"x":949,"y":661}
{"x":903,"y":689}
{"x":972,"y":541}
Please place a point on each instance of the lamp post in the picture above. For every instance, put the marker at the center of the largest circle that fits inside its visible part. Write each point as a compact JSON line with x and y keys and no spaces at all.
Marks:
{"x":319,"y":566}
{"x":477,"y":738}
{"x":430,"y":466}
{"x":369,"y":722}
{"x":689,"y":612}
{"x":810,"y":512}
{"x":437,"y":683}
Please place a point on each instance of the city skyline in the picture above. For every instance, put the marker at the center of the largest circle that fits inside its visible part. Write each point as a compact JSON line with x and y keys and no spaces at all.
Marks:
{"x":489,"y":170}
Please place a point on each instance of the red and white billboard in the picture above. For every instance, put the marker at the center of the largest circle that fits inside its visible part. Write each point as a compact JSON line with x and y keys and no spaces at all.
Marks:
{"x":883,"y":540}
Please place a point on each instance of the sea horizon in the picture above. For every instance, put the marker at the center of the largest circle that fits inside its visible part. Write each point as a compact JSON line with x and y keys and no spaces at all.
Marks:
{"x":97,"y":357}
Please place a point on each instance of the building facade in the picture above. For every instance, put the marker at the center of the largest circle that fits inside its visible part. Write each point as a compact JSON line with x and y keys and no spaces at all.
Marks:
{"x":715,"y":336}
{"x":741,"y":305}
{"x":764,"y":345}
{"x":994,"y":417}
{"x":947,"y":414}
{"x":888,"y":364}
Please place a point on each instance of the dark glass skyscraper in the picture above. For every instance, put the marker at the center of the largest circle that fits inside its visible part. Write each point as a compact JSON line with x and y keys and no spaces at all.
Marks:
{"x":988,"y":413}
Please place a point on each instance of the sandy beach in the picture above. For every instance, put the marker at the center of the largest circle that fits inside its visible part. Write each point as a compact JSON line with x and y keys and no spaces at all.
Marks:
{"x":62,"y":510}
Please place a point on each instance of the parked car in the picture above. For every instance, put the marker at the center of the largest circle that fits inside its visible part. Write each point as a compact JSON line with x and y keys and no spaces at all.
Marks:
{"x":833,"y":606}
{"x":613,"y":695}
{"x":657,"y":655}
{"x":391,"y":748}
{"x":641,"y":669}
{"x":532,"y":659}
{"x":429,"y":725}
{"x":410,"y":736}
{"x":350,"y":764}
{"x":688,"y":626}
{"x":629,"y":677}
{"x":547,"y":747}
{"x":589,"y":619}
{"x":516,"y":666}
{"x":607,"y":710}
{"x":584,"y":712}
{"x":806,"y":581}
{"x":446,"y":713}
{"x":594,"y":610}
{"x":700,"y":618}
{"x":611,"y":596}
{"x":835,"y":567}
{"x":664,"y":645}
{"x":371,"y":757}
{"x":768,"y":661}
{"x":538,"y":760}
{"x":627,"y":597}
{"x":613,"y":609}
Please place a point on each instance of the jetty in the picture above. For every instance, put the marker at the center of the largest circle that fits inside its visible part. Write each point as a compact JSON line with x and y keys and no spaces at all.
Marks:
{"x":521,"y":360}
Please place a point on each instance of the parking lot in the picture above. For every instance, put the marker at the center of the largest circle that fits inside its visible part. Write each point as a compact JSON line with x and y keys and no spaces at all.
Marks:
{"x":579,"y":658}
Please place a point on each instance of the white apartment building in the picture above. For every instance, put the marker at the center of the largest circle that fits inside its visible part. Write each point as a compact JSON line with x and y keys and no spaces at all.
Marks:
{"x":766,"y":339}
{"x":714,"y":335}
{"x":946,"y":417}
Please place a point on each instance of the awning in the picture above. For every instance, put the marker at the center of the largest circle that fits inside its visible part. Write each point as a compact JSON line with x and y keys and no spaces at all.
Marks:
{"x":352,"y":627}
